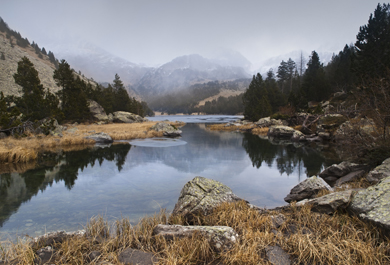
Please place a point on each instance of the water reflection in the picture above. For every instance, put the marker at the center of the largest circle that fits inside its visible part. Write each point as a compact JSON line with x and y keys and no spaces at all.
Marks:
{"x":15,"y":188}
{"x":287,"y":157}
{"x":122,"y":180}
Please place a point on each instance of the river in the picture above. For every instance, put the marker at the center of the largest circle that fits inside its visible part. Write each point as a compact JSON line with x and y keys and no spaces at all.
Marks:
{"x":135,"y":178}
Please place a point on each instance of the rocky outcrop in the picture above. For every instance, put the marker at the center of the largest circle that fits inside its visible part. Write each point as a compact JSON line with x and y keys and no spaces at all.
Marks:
{"x":330,"y":122}
{"x":307,"y":189}
{"x":277,"y":256}
{"x":167,"y":129}
{"x":126,"y":117}
{"x":50,"y":126}
{"x":221,"y":238}
{"x":336,"y":171}
{"x":100,"y":138}
{"x":359,"y":127}
{"x":373,"y":205}
{"x":97,"y":111}
{"x":201,"y":196}
{"x":380,"y":172}
{"x":329,"y":203}
{"x":281,"y":131}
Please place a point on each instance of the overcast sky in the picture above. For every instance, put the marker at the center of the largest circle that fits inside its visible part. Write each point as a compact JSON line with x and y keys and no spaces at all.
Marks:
{"x":155,"y":32}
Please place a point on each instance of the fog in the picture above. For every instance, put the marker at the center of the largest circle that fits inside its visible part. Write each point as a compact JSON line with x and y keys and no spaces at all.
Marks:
{"x":153,"y":32}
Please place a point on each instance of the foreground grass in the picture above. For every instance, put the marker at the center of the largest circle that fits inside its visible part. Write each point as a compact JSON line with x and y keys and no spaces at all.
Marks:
{"x":26,"y":149}
{"x":308,"y":237}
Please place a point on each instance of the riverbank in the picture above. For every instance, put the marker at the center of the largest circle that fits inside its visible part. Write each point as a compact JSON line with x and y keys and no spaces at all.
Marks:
{"x":263,"y":236}
{"x":26,"y":149}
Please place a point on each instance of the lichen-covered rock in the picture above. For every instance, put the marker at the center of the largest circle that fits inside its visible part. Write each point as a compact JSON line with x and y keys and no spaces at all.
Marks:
{"x":97,"y":111}
{"x":380,"y":172}
{"x":373,"y":204}
{"x":221,"y":238}
{"x":131,"y":256}
{"x":167,"y":129}
{"x":352,"y":176}
{"x":297,"y":136}
{"x":126,"y":117}
{"x":201,"y":196}
{"x":307,"y":189}
{"x":330,"y":203}
{"x":267,"y":122}
{"x":100,"y":138}
{"x":349,"y":129}
{"x":49,"y":126}
{"x":281,"y":131}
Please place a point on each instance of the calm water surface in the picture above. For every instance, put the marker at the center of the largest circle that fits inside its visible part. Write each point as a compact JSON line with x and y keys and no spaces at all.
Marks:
{"x":136,"y":178}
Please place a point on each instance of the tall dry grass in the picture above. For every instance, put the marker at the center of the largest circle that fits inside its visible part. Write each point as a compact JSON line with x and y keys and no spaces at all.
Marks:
{"x":309,"y":238}
{"x":24,"y":150}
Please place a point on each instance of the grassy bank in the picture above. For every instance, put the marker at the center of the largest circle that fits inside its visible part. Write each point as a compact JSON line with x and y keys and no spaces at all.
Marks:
{"x":253,"y":128}
{"x":26,"y":149}
{"x":309,"y":238}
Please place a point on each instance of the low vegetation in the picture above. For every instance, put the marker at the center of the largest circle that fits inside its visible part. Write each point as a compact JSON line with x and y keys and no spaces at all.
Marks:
{"x":310,"y":238}
{"x":26,"y":149}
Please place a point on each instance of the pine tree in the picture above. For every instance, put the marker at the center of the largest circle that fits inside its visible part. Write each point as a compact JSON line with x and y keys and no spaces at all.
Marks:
{"x":255,"y":99}
{"x":315,"y":85}
{"x":35,"y":103}
{"x":74,"y":103}
{"x":373,"y":45}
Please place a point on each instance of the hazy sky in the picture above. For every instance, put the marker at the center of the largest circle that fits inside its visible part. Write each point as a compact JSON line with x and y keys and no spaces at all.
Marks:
{"x":155,"y":32}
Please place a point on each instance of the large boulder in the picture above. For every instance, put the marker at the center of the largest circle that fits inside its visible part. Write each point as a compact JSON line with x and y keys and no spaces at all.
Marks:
{"x":167,"y":129}
{"x":126,"y":117}
{"x":373,"y":204}
{"x":380,"y":172}
{"x":329,"y":203}
{"x":97,"y":111}
{"x":221,"y":238}
{"x":201,"y":196}
{"x":49,"y":126}
{"x":307,"y":189}
{"x":280,"y":131}
{"x":100,"y":138}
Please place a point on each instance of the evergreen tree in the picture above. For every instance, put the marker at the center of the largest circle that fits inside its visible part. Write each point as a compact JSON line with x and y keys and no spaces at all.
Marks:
{"x":255,"y":99}
{"x":315,"y":86}
{"x":373,"y":45}
{"x":74,"y":103}
{"x":35,"y":103}
{"x":121,"y":97}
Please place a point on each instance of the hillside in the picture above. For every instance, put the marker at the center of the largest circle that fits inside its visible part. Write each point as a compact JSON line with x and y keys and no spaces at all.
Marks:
{"x":8,"y":66}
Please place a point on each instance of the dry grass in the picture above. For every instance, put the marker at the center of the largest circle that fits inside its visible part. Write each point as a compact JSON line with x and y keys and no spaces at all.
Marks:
{"x":310,"y":238}
{"x":25,"y":150}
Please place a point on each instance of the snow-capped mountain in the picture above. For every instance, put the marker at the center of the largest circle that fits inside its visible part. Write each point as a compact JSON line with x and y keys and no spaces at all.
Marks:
{"x":184,"y":71}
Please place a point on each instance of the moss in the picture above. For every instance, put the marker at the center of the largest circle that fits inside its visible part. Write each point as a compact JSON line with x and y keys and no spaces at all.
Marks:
{"x":279,"y":116}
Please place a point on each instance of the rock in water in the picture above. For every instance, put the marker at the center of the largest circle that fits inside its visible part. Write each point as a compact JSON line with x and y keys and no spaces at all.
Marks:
{"x":221,"y":238}
{"x":280,"y":131}
{"x":373,"y":204}
{"x":201,"y":196}
{"x":307,"y":189}
{"x":167,"y":129}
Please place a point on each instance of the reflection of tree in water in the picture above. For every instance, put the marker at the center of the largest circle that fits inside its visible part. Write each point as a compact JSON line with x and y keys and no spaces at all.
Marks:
{"x":76,"y":160}
{"x":288,"y":158}
{"x":18,"y":188}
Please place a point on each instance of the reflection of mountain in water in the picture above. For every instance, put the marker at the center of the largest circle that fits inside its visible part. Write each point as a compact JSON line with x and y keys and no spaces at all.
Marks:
{"x":203,"y":150}
{"x":16,"y":189}
{"x":288,"y":158}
